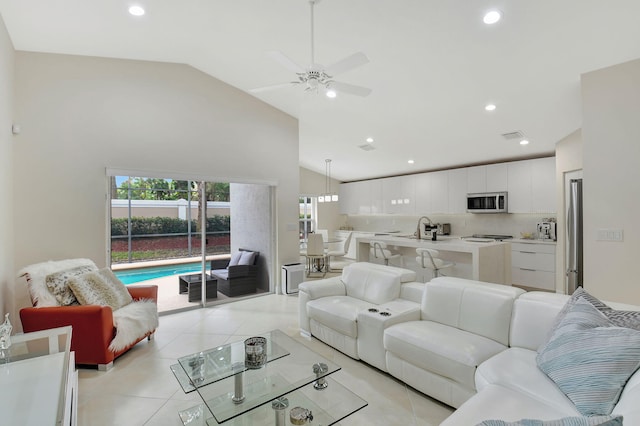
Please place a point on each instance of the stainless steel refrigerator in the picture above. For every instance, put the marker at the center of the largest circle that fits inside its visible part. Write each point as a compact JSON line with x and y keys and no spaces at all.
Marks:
{"x":574,"y":236}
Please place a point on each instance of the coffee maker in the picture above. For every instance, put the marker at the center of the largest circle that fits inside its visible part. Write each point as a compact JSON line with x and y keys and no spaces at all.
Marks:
{"x":546,"y":231}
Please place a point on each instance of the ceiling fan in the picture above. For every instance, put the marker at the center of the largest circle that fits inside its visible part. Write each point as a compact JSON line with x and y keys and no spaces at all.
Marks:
{"x":315,"y":77}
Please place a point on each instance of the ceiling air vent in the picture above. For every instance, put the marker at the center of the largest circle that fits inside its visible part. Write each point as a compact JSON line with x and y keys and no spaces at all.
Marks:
{"x":367,"y":147}
{"x":513,"y":135}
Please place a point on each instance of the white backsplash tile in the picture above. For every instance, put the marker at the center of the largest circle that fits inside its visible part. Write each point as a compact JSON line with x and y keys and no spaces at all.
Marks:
{"x":461,"y":224}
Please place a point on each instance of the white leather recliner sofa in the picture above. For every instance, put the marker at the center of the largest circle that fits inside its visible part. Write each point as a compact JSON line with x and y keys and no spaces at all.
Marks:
{"x":470,"y":344}
{"x":510,"y":386}
{"x":335,"y":309}
{"x":462,"y":324}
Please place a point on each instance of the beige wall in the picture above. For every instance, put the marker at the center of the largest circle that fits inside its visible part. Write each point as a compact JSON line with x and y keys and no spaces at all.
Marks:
{"x":7,"y":140}
{"x":81,"y":115}
{"x":611,"y":188}
{"x":312,"y":183}
{"x":568,"y":159}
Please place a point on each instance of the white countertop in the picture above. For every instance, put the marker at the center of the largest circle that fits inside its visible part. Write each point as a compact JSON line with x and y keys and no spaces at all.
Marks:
{"x":444,"y":242}
{"x":533,"y":241}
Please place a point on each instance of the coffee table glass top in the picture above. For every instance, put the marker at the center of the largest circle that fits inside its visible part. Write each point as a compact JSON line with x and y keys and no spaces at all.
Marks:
{"x":289,"y":366}
{"x":206,"y":367}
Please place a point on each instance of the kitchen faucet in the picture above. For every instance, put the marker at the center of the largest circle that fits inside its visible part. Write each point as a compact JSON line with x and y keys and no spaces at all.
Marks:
{"x":418,"y":226}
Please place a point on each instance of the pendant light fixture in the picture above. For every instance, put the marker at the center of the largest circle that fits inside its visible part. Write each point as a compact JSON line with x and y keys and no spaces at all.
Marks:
{"x":328,"y":196}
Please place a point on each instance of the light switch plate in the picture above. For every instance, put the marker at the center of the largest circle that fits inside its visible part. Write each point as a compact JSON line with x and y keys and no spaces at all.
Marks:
{"x":610,"y":235}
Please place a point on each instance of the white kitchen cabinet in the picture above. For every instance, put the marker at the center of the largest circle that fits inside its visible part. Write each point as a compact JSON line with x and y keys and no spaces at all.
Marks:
{"x":376,"y":202}
{"x":439,"y":192}
{"x":497,"y":177}
{"x":423,"y":202}
{"x":347,"y":198}
{"x":519,"y":186}
{"x":476,"y":179}
{"x":364,"y":197}
{"x":533,"y":265}
{"x":457,"y":187}
{"x":530,"y":185}
{"x":398,"y":195}
{"x":543,"y":185}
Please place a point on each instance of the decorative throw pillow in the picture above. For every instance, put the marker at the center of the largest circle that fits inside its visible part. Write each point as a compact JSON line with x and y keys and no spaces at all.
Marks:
{"x":235,"y":258}
{"x":629,"y":319}
{"x":57,"y":283}
{"x":248,"y":257}
{"x":566,"y":421}
{"x":100,"y":288}
{"x":589,"y":359}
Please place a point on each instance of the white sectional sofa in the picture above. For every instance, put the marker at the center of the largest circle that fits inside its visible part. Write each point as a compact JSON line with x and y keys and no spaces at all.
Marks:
{"x":469,"y":344}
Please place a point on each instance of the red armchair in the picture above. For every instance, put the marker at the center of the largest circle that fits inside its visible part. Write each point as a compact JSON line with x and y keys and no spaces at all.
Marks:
{"x":93,"y":327}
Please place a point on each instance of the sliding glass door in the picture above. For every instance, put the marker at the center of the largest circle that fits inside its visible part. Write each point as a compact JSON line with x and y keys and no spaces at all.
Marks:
{"x":168,"y":232}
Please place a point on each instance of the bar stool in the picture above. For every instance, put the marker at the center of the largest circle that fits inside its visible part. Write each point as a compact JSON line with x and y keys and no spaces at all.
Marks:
{"x":429,"y":259}
{"x":379,"y":250}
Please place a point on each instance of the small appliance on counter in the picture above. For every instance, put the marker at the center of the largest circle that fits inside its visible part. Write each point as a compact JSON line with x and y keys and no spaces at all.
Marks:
{"x":546,"y":231}
{"x":444,"y":228}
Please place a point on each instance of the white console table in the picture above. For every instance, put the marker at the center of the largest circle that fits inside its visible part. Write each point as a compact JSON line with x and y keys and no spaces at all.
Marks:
{"x":38,"y":380}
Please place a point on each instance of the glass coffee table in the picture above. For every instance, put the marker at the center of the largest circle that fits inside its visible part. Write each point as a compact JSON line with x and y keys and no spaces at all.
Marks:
{"x":292,"y":379}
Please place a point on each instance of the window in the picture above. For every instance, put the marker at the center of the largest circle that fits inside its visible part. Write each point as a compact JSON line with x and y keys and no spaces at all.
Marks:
{"x":307,"y":217}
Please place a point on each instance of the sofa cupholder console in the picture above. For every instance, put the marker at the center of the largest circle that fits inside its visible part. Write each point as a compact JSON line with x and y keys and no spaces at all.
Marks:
{"x":350,"y":312}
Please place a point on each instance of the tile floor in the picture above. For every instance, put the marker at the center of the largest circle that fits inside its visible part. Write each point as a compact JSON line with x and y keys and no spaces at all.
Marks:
{"x":141,"y":390}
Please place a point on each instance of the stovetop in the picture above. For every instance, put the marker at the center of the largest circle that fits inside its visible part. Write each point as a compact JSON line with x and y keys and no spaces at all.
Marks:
{"x":493,"y":236}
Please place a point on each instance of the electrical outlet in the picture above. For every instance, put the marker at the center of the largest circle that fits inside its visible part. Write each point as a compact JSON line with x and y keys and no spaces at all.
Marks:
{"x":610,"y":235}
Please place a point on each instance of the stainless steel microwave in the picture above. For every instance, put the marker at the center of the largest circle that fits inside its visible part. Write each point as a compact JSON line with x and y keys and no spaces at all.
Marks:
{"x":487,"y":202}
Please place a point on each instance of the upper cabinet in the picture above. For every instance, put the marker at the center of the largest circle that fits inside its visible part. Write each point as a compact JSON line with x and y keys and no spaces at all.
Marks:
{"x":519,"y":187}
{"x":530,"y":185}
{"x":476,"y":179}
{"x":497,"y":177}
{"x":491,"y":178}
{"x":364,"y":197}
{"x":457,"y":190}
{"x":543,"y":185}
{"x":423,"y":193}
{"x":432,"y":193}
{"x":439,"y":192}
{"x":398,"y":195}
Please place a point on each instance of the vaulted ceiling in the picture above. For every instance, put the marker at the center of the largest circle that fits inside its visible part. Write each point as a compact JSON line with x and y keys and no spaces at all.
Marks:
{"x":434,"y":65}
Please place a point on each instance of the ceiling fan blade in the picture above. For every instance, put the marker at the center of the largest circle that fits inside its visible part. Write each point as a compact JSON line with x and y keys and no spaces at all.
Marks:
{"x":285,"y":61}
{"x":349,"y":88}
{"x":347,"y":64}
{"x":272,"y":87}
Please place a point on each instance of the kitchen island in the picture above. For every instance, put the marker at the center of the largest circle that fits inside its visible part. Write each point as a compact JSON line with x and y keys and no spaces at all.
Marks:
{"x":488,"y":261}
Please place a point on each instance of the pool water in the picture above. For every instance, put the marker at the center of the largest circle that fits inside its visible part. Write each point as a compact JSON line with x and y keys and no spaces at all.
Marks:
{"x":135,"y":275}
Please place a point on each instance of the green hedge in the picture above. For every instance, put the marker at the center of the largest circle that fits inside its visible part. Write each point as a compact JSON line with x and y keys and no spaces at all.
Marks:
{"x":166,"y":225}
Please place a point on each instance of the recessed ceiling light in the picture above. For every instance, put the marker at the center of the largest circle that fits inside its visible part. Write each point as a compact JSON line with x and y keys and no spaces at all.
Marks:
{"x":524,"y":142}
{"x":489,"y":107}
{"x":492,"y":17}
{"x":370,"y":140}
{"x":331,"y":93}
{"x":410,"y":161}
{"x":136,"y":10}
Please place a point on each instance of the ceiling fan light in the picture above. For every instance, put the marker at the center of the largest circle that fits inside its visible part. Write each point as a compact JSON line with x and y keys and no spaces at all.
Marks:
{"x":136,"y":10}
{"x":492,"y":16}
{"x":331,"y":93}
{"x":524,"y":142}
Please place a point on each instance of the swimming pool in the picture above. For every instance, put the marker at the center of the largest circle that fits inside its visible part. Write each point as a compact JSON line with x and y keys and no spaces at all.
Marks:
{"x":135,"y":275}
